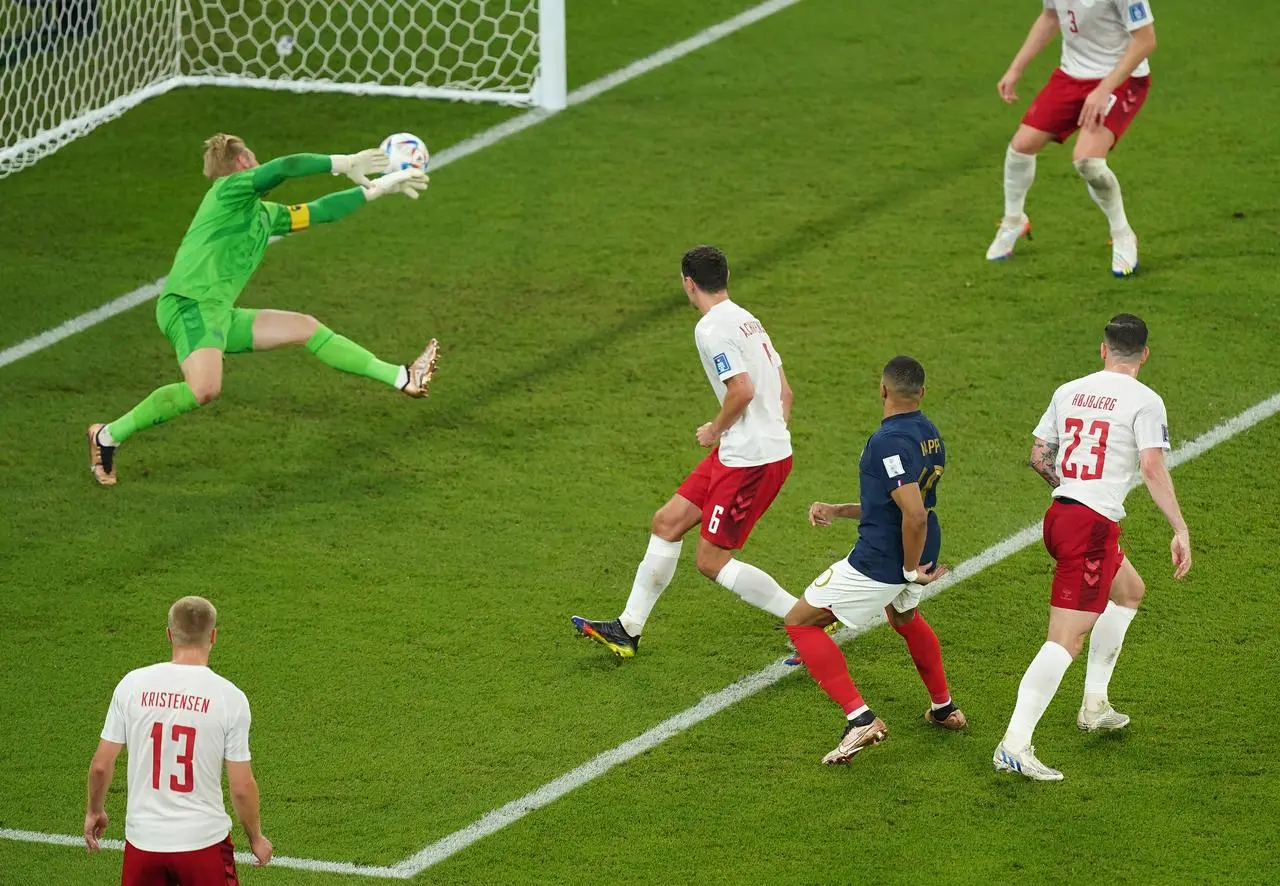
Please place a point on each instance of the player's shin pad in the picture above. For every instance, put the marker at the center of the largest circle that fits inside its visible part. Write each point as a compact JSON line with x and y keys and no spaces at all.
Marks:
{"x":343,"y":354}
{"x":160,"y":406}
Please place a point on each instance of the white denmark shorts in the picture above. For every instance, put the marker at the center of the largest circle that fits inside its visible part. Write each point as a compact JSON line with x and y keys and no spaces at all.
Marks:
{"x":855,"y":599}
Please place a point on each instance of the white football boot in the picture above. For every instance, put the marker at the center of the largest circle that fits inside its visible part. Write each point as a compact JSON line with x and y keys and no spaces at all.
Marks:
{"x":1100,"y":718}
{"x":1023,"y":762}
{"x":1124,"y":254}
{"x":1002,"y":246}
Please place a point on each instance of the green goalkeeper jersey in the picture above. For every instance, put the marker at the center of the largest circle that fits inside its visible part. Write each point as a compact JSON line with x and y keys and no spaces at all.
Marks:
{"x":225,"y":242}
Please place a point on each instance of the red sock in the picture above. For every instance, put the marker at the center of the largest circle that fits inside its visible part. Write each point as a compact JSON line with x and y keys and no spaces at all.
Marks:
{"x":926,"y":652}
{"x":825,"y":661}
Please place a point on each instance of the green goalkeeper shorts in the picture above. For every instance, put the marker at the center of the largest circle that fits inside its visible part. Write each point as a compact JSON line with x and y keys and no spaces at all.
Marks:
{"x":191,"y":325}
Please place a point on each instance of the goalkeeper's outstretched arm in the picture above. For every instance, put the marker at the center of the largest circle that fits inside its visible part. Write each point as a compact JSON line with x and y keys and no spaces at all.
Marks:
{"x":228,"y":154}
{"x":274,"y":172}
{"x":332,"y":207}
{"x":357,"y":167}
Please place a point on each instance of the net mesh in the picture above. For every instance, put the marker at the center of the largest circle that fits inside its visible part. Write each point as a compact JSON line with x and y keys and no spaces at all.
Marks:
{"x":67,"y":66}
{"x":466,"y":45}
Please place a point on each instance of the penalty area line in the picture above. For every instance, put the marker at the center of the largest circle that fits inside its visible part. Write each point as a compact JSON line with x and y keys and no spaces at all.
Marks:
{"x":451,"y":154}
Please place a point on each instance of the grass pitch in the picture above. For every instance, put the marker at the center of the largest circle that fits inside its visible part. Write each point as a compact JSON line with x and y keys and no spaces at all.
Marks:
{"x":395,"y":578}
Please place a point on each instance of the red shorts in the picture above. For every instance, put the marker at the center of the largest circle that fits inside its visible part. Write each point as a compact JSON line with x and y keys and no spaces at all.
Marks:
{"x":1056,"y":109}
{"x":211,"y":866}
{"x":732,"y":499}
{"x":1086,"y":546}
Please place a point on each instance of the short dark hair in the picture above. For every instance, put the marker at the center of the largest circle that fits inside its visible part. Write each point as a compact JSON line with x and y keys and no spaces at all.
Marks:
{"x":707,"y":267}
{"x":1126,"y":335}
{"x":904,"y":376}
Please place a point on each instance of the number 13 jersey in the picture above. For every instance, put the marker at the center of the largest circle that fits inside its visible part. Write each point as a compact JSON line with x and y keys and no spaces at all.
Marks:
{"x":179,"y":722}
{"x":1100,"y":423}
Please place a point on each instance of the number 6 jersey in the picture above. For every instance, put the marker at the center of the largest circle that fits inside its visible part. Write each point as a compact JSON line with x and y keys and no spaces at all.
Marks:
{"x":1099,"y":424}
{"x":179,"y":722}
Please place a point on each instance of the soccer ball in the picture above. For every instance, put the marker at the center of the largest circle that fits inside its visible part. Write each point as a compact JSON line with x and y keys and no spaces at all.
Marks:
{"x":406,"y":151}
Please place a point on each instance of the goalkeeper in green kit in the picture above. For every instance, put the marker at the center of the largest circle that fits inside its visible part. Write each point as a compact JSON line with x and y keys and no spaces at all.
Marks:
{"x":222,"y":248}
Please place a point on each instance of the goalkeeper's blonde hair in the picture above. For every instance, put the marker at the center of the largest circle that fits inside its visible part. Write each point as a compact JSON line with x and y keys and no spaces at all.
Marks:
{"x":220,"y":154}
{"x":191,"y":621}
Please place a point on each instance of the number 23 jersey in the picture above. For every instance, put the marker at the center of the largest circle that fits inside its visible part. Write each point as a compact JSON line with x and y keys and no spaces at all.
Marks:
{"x":1100,"y":424}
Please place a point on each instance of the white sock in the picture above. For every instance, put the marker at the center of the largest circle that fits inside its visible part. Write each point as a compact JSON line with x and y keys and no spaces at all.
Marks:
{"x":1038,"y":686}
{"x":652,"y":577}
{"x":1105,"y":642}
{"x":937,"y":707}
{"x":1019,"y":173}
{"x":105,"y":438}
{"x":402,"y":378}
{"x":857,"y":712}
{"x":1104,"y":188}
{"x":755,"y":586}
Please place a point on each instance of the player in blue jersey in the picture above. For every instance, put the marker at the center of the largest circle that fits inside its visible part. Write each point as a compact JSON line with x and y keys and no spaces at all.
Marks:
{"x":899,"y":541}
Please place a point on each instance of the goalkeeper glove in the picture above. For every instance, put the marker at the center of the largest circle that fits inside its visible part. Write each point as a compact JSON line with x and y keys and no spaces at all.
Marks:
{"x":407,"y":181}
{"x":358,"y":167}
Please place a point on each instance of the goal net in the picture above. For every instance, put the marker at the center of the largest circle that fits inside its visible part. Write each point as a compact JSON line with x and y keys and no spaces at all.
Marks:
{"x":67,"y":66}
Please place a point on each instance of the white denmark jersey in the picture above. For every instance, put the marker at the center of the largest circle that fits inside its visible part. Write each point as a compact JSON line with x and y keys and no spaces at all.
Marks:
{"x":731,"y":341}
{"x":1100,"y":423}
{"x":1095,"y":34}
{"x":179,"y":722}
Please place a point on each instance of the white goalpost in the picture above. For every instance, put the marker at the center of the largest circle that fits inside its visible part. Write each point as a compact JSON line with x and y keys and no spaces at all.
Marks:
{"x":68,"y":66}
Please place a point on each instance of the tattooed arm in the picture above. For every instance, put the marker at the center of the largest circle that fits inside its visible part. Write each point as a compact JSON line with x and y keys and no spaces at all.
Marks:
{"x":1044,"y":457}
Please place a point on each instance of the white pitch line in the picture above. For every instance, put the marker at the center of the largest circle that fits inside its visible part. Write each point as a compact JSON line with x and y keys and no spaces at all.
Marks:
{"x":244,"y":858}
{"x":52,"y":336}
{"x":462,"y":149}
{"x":512,"y":812}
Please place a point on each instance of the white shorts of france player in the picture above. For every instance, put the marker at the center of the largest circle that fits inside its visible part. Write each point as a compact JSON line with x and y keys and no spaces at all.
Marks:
{"x":855,"y":599}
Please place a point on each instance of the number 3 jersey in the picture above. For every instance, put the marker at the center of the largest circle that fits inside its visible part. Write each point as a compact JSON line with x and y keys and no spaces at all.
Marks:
{"x":1100,"y":423}
{"x":179,"y":722}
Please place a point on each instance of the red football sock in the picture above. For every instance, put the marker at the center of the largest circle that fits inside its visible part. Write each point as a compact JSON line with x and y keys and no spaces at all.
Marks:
{"x":826,"y":662}
{"x":926,"y":652}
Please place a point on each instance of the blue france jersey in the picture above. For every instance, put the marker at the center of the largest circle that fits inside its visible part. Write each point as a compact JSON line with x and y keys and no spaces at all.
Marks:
{"x":907,"y":448}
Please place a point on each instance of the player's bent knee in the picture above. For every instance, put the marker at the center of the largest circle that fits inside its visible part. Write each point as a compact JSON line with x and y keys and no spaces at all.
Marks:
{"x":670,"y":524}
{"x":665,"y":526}
{"x":900,"y":619}
{"x":307,"y":326}
{"x":206,"y":393}
{"x":710,"y":566}
{"x":1072,"y":642}
{"x":1129,"y":594}
{"x":1029,"y":141}
{"x":711,"y":559}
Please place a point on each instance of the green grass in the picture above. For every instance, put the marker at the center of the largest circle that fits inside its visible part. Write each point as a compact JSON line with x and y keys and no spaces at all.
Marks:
{"x":395,"y":578}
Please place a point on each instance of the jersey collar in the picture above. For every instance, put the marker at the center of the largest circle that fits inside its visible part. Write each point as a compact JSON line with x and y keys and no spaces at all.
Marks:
{"x":913,"y":413}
